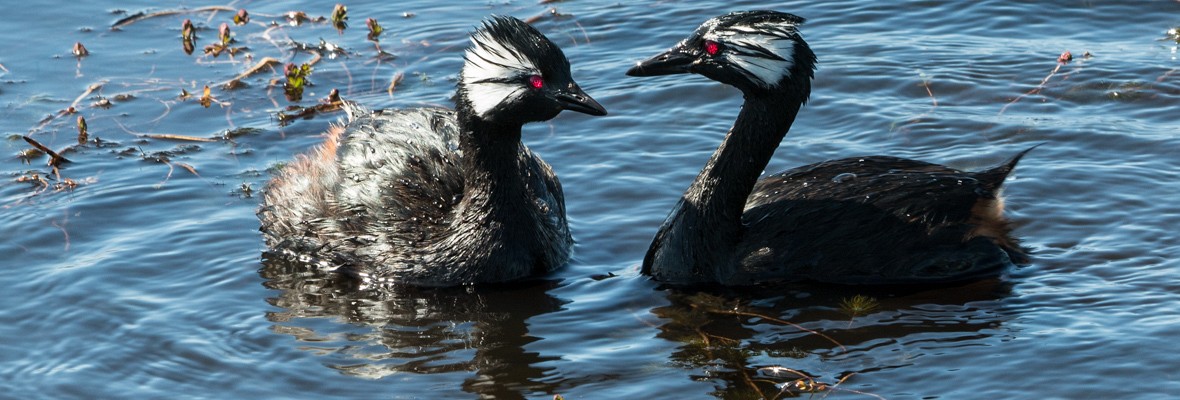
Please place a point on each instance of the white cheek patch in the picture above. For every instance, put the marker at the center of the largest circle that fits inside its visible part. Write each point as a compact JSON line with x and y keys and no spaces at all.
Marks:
{"x":764,"y":54}
{"x":488,"y":64}
{"x":486,"y":96}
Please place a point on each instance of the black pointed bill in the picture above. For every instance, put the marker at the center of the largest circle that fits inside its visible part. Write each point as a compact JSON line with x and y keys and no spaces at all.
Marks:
{"x":673,"y":61}
{"x":574,"y":99}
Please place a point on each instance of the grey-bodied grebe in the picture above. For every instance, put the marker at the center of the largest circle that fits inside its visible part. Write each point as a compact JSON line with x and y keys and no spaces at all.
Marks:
{"x":435,"y":197}
{"x":862,"y":220}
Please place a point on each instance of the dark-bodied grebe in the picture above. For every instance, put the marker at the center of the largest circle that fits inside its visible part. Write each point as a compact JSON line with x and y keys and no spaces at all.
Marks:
{"x":434,"y":197}
{"x":864,"y":220}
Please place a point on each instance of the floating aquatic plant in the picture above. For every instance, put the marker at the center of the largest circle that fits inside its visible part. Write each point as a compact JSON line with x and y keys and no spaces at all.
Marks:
{"x":375,"y":29}
{"x":83,"y":131}
{"x":246,"y":189}
{"x":296,"y":80}
{"x":188,"y":36}
{"x":206,"y":98}
{"x":80,"y":50}
{"x":224,"y":34}
{"x":296,"y":75}
{"x":225,"y":37}
{"x":340,"y":17}
{"x":858,"y":305}
{"x":1065,"y":57}
{"x":242,"y":17}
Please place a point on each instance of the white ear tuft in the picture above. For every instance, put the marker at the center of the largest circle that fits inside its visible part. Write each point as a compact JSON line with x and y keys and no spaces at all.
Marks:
{"x":765,"y":54}
{"x":490,"y":66}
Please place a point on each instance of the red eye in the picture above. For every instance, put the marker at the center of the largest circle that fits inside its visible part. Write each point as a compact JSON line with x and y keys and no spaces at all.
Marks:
{"x":536,"y":81}
{"x":712,"y":47}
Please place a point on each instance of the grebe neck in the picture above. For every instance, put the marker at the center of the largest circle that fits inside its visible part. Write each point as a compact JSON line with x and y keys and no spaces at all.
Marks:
{"x":706,"y":225}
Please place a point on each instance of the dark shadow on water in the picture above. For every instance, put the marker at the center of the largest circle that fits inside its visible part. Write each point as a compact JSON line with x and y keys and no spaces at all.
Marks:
{"x":479,"y":333}
{"x":802,"y":340}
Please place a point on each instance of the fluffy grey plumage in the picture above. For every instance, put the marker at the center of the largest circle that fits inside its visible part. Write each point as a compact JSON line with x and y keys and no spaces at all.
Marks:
{"x":435,"y":197}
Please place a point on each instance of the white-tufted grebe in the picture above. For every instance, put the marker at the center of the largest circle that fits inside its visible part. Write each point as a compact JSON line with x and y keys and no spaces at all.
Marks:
{"x":435,"y":197}
{"x":862,"y":220}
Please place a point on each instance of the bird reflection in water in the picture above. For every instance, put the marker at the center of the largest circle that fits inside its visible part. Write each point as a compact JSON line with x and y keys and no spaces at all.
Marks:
{"x":481,"y":332}
{"x":792,"y":340}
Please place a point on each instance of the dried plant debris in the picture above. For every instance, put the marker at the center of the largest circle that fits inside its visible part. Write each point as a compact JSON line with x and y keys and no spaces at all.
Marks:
{"x":331,"y":104}
{"x":296,"y":18}
{"x":225,"y":39}
{"x":295,"y":79}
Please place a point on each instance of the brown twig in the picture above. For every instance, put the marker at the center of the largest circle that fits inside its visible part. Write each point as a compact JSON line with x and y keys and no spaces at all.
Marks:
{"x":164,"y":136}
{"x":189,"y":168}
{"x":749,"y":382}
{"x":315,"y":59}
{"x":89,"y":89}
{"x":552,"y":11}
{"x":307,"y":112}
{"x":1063,"y":59}
{"x":64,"y":232}
{"x":779,"y":321}
{"x":926,"y":84}
{"x":836,"y":386}
{"x":583,"y":29}
{"x":920,"y":117}
{"x":264,"y":63}
{"x":169,"y":136}
{"x":142,"y":16}
{"x":54,"y":159}
{"x":393,"y":82}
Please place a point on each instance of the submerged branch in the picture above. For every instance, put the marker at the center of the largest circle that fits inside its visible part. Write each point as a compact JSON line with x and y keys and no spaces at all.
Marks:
{"x":54,"y":159}
{"x":140,"y":16}
{"x":258,"y":67}
{"x":169,"y":136}
{"x":1063,"y":59}
{"x":779,"y":321}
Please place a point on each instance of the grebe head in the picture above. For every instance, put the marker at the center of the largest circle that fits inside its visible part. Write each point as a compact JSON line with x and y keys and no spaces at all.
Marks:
{"x":755,"y":51}
{"x":512,"y":73}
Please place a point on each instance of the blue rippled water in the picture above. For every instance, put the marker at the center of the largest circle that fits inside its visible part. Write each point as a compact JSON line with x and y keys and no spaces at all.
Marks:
{"x":146,"y":279}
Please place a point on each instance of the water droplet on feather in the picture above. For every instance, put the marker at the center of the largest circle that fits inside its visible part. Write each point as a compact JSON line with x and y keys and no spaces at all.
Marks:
{"x":844,"y":177}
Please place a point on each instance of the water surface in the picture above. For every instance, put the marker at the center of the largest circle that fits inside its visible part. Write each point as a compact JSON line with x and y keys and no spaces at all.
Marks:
{"x":147,"y":280}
